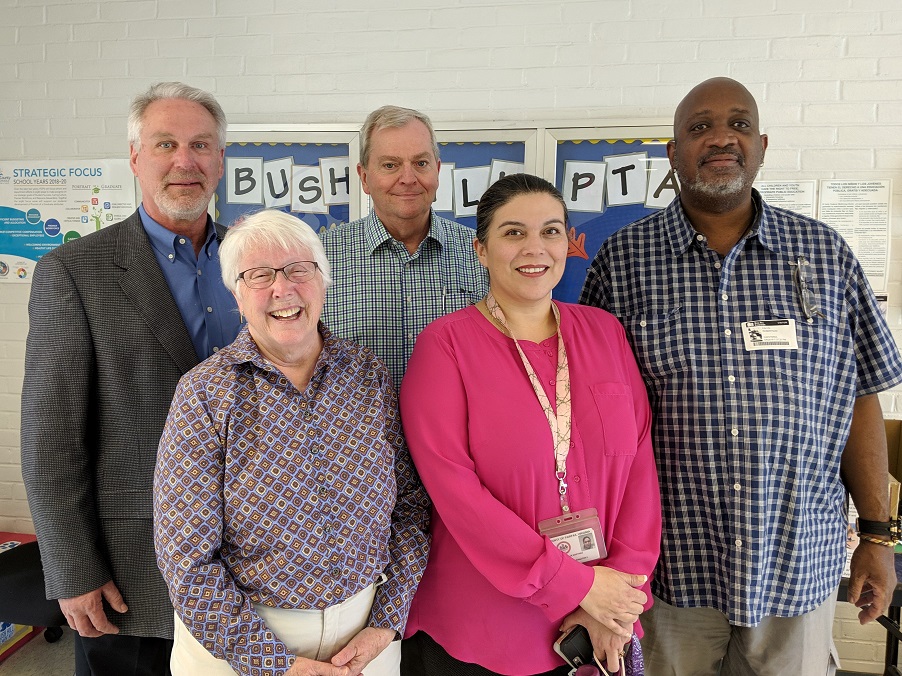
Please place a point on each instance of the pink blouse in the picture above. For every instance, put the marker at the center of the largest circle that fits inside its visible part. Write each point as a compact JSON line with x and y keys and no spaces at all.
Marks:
{"x":495,"y":591}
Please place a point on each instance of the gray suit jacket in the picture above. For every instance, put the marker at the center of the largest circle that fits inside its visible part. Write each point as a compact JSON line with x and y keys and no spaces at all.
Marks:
{"x":105,"y":350}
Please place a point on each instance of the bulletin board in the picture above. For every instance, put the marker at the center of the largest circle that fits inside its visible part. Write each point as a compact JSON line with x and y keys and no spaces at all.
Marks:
{"x":309,"y":173}
{"x":609,"y":177}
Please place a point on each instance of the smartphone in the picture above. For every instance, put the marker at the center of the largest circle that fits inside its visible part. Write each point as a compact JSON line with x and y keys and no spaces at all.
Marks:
{"x":575,"y":646}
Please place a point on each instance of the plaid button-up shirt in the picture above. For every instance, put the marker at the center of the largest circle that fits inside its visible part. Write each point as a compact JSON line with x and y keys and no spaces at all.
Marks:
{"x":748,"y":442}
{"x":383,"y":296}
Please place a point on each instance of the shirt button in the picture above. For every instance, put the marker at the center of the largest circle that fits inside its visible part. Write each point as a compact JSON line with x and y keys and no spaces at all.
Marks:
{"x":200,"y":272}
{"x":643,"y":323}
{"x":728,"y":332}
{"x":732,"y":379}
{"x":717,"y":265}
{"x":209,"y":309}
{"x":576,"y":479}
{"x":171,"y":256}
{"x":336,"y":572}
{"x":734,"y":432}
{"x":737,"y":486}
{"x":811,"y":320}
{"x":700,"y":238}
{"x":215,"y":348}
{"x":410,"y":336}
{"x":738,"y":543}
{"x":724,"y":296}
{"x":181,"y":240}
{"x":551,"y":382}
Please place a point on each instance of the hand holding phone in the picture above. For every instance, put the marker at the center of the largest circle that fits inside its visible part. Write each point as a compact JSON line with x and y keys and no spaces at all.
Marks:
{"x":575,"y":647}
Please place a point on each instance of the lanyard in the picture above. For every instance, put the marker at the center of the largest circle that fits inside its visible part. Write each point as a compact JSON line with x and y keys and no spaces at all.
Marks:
{"x":560,"y":423}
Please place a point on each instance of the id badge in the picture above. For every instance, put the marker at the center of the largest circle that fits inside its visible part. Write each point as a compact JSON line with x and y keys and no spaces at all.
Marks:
{"x":577,"y":534}
{"x":770,"y":334}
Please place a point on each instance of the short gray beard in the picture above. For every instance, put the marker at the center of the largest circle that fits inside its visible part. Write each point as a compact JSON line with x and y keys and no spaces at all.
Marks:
{"x":735,"y":185}
{"x":180,"y":209}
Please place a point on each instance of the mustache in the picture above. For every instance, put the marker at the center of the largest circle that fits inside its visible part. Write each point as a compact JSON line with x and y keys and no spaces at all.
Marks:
{"x":717,"y":152}
{"x":188,"y":177}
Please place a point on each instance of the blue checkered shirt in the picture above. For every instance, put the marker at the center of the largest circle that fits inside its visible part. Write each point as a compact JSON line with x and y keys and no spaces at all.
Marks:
{"x":383,"y":296}
{"x":748,"y":443}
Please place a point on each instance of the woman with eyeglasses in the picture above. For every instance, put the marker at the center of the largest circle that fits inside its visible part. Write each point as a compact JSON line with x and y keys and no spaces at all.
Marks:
{"x":290,"y":522}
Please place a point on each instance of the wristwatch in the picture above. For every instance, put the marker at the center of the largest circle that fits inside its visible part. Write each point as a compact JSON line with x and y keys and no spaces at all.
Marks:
{"x":886,"y":528}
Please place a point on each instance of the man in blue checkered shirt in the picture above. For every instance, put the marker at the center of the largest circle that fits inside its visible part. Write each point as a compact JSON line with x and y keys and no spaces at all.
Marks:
{"x":402,"y":266}
{"x":763,"y":350}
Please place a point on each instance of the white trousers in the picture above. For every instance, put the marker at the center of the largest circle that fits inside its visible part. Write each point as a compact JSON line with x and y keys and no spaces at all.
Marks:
{"x":313,"y":634}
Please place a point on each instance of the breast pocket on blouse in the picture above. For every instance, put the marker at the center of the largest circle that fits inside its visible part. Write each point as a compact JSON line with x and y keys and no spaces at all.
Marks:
{"x":659,"y":338}
{"x":618,"y":419}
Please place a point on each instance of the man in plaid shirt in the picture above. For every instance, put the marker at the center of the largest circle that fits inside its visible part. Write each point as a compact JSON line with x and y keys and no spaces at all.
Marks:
{"x":763,"y":350}
{"x":402,"y":266}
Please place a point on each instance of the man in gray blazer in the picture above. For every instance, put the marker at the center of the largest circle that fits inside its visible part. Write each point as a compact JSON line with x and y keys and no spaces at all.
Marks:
{"x":116,"y":318}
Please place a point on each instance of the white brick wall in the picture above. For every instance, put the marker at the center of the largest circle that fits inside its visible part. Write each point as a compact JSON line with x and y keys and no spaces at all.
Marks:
{"x":827,"y":75}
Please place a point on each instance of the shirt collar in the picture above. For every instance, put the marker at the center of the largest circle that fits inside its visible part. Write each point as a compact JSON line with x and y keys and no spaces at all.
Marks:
{"x":164,"y":240}
{"x":244,"y":350}
{"x":375,"y":234}
{"x":681,"y":232}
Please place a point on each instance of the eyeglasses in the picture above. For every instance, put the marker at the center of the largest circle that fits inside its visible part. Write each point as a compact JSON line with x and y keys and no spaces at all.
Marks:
{"x":806,"y":296}
{"x":261,"y":278}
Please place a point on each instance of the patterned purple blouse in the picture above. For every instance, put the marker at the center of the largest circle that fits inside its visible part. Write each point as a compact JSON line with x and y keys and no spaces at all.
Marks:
{"x":263,"y":494}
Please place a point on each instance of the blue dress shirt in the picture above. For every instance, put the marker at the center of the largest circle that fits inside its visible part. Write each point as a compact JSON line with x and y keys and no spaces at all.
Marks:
{"x":207,"y":307}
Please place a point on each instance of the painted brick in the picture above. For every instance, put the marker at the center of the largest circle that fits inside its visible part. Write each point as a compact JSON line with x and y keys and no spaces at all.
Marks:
{"x":842,"y":23}
{"x":214,"y":65}
{"x":39,"y":35}
{"x":158,"y":29}
{"x":210,"y":28}
{"x":134,"y":10}
{"x":768,"y":70}
{"x":158,"y":69}
{"x":256,"y":45}
{"x":876,"y":136}
{"x":133,"y":48}
{"x":99,"y":69}
{"x":875,"y":45}
{"x":597,"y":12}
{"x":819,"y":46}
{"x":23,"y":15}
{"x":768,"y":26}
{"x":632,"y":31}
{"x":75,"y":12}
{"x":840,"y":113}
{"x":71,"y":51}
{"x":186,"y":47}
{"x":728,"y":8}
{"x":240,"y":7}
{"x":442,"y":59}
{"x":839,"y":69}
{"x":179,"y":9}
{"x":841,"y":160}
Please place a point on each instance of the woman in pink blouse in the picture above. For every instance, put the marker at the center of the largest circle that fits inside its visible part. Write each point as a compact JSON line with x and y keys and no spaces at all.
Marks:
{"x":537,"y":455}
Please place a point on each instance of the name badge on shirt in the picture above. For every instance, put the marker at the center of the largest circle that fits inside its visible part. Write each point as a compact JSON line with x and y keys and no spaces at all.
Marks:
{"x":577,"y":534}
{"x":770,"y":334}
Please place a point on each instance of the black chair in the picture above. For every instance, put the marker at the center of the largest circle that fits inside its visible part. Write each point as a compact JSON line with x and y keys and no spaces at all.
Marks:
{"x":22,"y":598}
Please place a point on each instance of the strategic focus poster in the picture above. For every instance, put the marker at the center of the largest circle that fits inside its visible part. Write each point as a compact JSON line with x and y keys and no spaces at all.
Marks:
{"x":48,"y":202}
